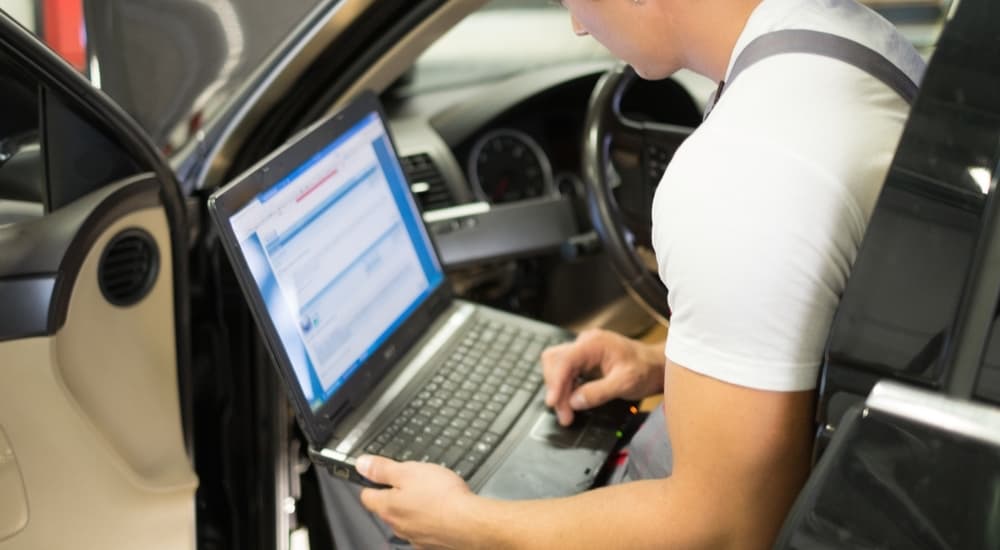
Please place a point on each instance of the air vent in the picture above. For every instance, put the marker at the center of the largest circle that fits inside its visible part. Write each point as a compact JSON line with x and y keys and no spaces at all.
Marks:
{"x":426,"y":182}
{"x":128,"y":267}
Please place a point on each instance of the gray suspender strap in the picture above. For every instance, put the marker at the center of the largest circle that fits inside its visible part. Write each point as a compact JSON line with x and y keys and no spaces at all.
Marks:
{"x":824,"y":44}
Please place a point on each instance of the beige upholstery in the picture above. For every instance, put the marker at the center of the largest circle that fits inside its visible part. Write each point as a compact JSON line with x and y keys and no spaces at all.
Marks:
{"x":13,"y":506}
{"x":92,"y":416}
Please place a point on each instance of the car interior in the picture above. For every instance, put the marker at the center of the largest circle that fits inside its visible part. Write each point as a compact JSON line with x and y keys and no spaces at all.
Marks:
{"x":139,"y":406}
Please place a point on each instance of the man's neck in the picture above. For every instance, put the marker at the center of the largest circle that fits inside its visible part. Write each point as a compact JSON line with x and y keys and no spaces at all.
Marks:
{"x":713,"y":28}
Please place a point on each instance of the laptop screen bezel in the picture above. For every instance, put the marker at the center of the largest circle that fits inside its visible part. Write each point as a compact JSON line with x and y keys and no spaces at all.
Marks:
{"x":319,"y":424}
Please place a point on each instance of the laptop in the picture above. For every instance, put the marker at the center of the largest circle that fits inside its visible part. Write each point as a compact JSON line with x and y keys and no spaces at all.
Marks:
{"x":377,"y":355}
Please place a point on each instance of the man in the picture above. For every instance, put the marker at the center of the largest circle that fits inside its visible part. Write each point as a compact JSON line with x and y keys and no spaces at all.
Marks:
{"x":756,"y":224}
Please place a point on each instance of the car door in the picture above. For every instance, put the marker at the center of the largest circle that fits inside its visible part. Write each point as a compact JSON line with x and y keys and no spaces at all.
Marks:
{"x":93,"y":292}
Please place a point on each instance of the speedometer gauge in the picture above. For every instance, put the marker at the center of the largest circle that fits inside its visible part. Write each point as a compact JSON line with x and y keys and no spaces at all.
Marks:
{"x":507,"y":165}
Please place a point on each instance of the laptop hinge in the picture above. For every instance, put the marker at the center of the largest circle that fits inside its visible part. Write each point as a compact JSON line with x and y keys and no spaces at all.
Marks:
{"x":442,"y":300}
{"x":339,"y":413}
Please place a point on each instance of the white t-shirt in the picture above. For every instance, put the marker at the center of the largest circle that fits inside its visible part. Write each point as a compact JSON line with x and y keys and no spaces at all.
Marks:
{"x":758,"y":218}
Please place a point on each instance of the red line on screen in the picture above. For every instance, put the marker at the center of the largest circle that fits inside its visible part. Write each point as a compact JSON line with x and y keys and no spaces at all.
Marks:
{"x":314,"y":186}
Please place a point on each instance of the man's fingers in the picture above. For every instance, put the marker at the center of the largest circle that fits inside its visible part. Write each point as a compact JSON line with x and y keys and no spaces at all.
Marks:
{"x":375,"y":500}
{"x":596,"y":392}
{"x":564,"y":413}
{"x":558,"y":372}
{"x":586,"y":396}
{"x":379,"y":469}
{"x":562,"y":364}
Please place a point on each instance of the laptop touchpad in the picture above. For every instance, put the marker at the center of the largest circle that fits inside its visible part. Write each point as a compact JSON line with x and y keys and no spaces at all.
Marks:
{"x":547,"y":429}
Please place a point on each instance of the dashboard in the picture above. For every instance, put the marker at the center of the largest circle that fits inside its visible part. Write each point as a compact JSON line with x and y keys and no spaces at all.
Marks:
{"x":497,"y":167}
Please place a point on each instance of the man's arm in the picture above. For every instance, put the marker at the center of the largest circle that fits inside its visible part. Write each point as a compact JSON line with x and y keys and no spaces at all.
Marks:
{"x":740,"y":457}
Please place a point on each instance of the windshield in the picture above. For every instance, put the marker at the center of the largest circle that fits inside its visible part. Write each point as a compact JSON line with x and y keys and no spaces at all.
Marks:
{"x":503,"y":38}
{"x":507,"y":37}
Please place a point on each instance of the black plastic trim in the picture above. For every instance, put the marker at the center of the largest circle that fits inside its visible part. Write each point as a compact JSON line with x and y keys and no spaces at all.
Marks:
{"x":57,"y":244}
{"x":26,"y":305}
{"x":130,"y":196}
{"x":41,"y":244}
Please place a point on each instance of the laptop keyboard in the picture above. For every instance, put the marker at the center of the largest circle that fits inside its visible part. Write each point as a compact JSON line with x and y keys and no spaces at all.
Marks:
{"x":461,"y":414}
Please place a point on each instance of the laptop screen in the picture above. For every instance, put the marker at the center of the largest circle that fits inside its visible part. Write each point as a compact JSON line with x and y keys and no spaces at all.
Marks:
{"x":340,"y":256}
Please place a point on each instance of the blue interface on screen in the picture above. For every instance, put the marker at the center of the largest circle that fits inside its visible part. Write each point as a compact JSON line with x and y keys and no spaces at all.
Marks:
{"x":340,"y":256}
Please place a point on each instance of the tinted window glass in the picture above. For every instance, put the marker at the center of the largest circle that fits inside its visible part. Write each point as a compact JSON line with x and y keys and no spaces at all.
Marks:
{"x":988,"y":384}
{"x":50,"y":155}
{"x":21,"y":173}
{"x":902,"y":297}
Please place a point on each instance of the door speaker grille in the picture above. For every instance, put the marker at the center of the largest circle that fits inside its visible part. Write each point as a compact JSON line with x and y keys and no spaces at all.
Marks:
{"x":128,"y":267}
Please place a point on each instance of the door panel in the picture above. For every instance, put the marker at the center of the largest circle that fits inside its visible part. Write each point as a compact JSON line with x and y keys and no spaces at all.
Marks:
{"x":80,"y":492}
{"x":129,"y":389}
{"x":93,"y":395}
{"x":92,"y":413}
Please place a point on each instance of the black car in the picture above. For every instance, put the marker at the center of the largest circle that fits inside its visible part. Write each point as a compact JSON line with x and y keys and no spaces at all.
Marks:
{"x":138,"y":405}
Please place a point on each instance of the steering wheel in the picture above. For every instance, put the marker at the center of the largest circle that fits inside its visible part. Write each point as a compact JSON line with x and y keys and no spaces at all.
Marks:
{"x":623,"y":160}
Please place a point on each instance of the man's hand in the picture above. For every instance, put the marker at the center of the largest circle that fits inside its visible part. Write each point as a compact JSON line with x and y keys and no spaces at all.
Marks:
{"x":424,"y":503}
{"x":622,"y":368}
